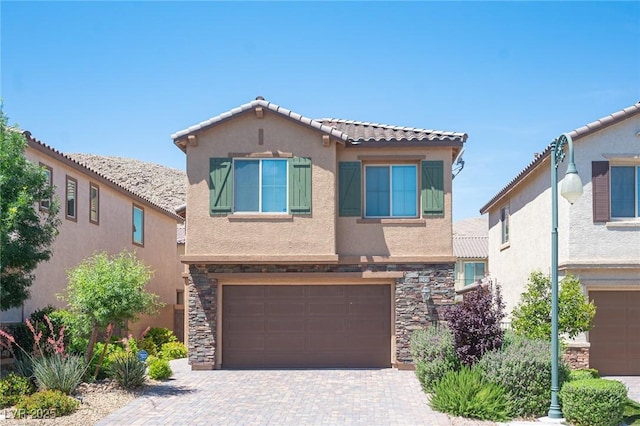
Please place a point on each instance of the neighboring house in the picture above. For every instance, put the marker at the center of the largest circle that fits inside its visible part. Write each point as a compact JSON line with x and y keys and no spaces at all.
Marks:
{"x":310,"y":243}
{"x":99,"y":214}
{"x":471,"y":249}
{"x":599,"y":235}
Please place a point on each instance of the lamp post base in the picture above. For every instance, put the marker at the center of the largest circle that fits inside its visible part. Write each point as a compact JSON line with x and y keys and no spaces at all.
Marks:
{"x":551,"y":420}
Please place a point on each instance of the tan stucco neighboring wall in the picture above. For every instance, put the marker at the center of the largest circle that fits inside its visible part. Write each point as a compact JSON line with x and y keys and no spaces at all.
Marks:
{"x":80,"y":239}
{"x":263,"y":235}
{"x":431,"y":236}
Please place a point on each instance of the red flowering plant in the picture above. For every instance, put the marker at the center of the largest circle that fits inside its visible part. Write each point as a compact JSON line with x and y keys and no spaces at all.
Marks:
{"x":54,"y":342}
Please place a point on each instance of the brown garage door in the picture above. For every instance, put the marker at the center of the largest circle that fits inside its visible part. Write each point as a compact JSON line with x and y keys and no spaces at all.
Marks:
{"x":615,"y":337}
{"x":296,"y":326}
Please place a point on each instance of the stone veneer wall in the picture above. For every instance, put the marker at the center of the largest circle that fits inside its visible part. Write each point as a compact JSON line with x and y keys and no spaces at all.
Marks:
{"x":411,"y":312}
{"x":577,"y":356}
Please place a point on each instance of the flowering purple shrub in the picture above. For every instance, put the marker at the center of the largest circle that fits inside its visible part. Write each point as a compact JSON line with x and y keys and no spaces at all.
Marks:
{"x":475,"y":324}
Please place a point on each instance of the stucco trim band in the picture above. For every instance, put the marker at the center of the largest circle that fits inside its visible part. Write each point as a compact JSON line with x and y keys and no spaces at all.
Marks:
{"x":306,"y":277}
{"x":196,"y":259}
{"x":363,"y":260}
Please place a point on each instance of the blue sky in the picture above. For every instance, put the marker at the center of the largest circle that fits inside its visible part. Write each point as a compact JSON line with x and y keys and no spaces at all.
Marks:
{"x":118,"y":78}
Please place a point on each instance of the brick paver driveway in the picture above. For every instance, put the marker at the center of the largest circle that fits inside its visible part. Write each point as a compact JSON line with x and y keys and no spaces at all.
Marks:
{"x":282,"y":397}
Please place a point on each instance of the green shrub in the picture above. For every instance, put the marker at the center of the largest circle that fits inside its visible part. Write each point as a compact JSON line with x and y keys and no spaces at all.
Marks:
{"x":12,"y":388}
{"x":593,"y":402}
{"x":46,"y":404}
{"x":147,"y":345}
{"x":127,"y":370}
{"x":159,"y":369}
{"x":523,"y":369}
{"x":466,"y":393}
{"x":173,"y":350}
{"x":433,"y":354}
{"x":59,"y":372}
{"x":112,"y":349}
{"x":583,"y":374}
{"x":159,"y":336}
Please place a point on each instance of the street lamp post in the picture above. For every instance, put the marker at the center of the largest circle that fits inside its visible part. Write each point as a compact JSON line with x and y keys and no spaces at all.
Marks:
{"x":571,"y":189}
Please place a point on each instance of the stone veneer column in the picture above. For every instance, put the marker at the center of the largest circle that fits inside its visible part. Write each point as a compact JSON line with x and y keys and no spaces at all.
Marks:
{"x":412,"y":313}
{"x":202,"y":319}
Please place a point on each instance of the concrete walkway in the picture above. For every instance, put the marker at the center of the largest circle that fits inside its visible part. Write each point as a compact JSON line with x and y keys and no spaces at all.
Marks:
{"x":292,"y":397}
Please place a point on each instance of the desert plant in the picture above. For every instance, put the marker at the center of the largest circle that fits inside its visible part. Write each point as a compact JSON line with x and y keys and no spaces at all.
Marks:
{"x":532,"y":316}
{"x":159,"y":369}
{"x":147,"y":345}
{"x":475,"y":324}
{"x":434,"y":355}
{"x":59,"y":372}
{"x":159,"y":336}
{"x":593,"y":402}
{"x":127,"y":369}
{"x":466,"y":393}
{"x":12,"y":388}
{"x":523,"y":369}
{"x":46,"y":404}
{"x":173,"y":350}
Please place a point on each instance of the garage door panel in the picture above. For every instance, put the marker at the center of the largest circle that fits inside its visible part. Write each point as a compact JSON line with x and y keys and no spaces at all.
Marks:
{"x":307,"y":326}
{"x":285,"y":325}
{"x":285,"y":308}
{"x":615,"y":337}
{"x":324,"y":324}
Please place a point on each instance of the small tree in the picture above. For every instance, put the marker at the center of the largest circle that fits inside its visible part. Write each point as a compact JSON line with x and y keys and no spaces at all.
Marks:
{"x":475,"y":324}
{"x":532,"y":317}
{"x":105,"y":290}
{"x":26,"y":231}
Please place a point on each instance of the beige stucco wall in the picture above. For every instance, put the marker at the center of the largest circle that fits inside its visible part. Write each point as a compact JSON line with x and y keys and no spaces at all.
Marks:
{"x":323,"y":232}
{"x":580,"y":240}
{"x":80,"y":239}
{"x":264,"y":235}
{"x":429,"y":237}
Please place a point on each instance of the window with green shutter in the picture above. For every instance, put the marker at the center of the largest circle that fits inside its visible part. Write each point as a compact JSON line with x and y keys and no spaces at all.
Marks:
{"x":432,"y":188}
{"x":247,"y":185}
{"x":349,"y":188}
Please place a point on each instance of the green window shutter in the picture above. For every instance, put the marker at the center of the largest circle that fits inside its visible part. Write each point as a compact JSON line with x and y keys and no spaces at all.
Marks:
{"x":220,"y":186}
{"x":349,"y":188}
{"x":432,"y":188}
{"x":300,"y":185}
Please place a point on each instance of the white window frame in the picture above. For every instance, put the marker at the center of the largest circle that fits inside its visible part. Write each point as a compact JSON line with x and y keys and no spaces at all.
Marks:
{"x":389,"y":166}
{"x":259,"y":211}
{"x":474,"y":263}
{"x":636,"y":168}
{"x":73,"y":217}
{"x":505,"y":224}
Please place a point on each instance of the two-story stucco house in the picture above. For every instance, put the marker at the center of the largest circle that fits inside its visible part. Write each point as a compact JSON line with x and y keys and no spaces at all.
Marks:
{"x":309,"y":242}
{"x":98,"y":214}
{"x":599,"y":235}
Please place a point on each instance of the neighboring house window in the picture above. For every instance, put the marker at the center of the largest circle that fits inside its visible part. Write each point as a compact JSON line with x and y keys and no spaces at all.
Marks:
{"x":179,"y":297}
{"x":94,"y":203}
{"x":48,"y":171}
{"x":246,"y":185}
{"x":391,"y":191}
{"x":260,"y":186}
{"x":138,"y":225}
{"x":473,"y":271}
{"x":625,"y":191}
{"x":504,"y":221}
{"x":72,"y":199}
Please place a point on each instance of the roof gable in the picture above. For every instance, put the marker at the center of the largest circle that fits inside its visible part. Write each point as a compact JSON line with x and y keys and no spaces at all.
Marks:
{"x":581,"y":132}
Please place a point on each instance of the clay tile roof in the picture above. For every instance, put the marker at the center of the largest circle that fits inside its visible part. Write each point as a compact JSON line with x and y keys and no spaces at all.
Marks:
{"x":344,"y":130}
{"x":360,"y":131}
{"x":471,"y":247}
{"x":595,"y":126}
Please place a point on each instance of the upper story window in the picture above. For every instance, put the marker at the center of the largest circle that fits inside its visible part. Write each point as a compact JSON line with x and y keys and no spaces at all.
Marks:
{"x":260,"y":186}
{"x":71,"y":208}
{"x":391,"y":191}
{"x":504,"y":222}
{"x":138,"y":225}
{"x":94,"y":203}
{"x":48,"y":171}
{"x":473,"y":271}
{"x":625,"y":191}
